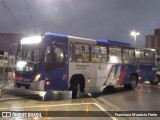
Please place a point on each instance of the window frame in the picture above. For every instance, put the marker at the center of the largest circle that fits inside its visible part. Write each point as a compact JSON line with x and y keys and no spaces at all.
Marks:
{"x":130,"y":61}
{"x":119,"y":56}
{"x":81,"y":54}
{"x":99,"y":59}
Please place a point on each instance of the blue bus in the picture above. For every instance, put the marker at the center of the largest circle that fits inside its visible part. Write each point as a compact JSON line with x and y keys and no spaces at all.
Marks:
{"x":55,"y":62}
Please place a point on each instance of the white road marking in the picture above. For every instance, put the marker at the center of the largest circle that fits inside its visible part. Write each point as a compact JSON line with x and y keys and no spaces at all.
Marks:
{"x":73,"y":104}
{"x":102,"y":109}
{"x":50,"y":105}
{"x":10,"y":99}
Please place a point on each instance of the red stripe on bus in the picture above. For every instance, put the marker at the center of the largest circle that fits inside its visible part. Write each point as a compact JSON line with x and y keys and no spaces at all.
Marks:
{"x":122,"y":75}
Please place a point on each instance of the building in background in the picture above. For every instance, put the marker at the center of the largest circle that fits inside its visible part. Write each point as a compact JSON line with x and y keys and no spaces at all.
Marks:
{"x":149,"y":43}
{"x":153,"y":41}
{"x":6,"y":39}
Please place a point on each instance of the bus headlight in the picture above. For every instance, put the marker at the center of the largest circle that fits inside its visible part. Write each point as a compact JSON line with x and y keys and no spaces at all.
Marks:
{"x":37,"y":78}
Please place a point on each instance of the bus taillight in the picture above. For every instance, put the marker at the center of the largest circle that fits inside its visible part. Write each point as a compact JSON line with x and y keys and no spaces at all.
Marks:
{"x":47,"y":82}
{"x":18,"y":78}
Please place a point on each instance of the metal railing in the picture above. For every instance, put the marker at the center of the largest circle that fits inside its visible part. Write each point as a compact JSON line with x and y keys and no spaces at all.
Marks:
{"x":7,"y":64}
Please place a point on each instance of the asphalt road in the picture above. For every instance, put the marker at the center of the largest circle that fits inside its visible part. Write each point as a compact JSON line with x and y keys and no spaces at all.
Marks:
{"x":144,"y":98}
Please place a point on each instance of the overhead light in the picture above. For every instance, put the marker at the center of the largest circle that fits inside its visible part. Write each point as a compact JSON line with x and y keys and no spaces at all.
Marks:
{"x":21,"y":63}
{"x":31,"y":40}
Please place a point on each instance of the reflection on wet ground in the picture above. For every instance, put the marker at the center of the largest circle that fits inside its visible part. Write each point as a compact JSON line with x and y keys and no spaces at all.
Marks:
{"x":144,"y":98}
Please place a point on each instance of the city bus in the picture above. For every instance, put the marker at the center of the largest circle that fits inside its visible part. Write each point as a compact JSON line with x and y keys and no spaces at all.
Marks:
{"x":55,"y":62}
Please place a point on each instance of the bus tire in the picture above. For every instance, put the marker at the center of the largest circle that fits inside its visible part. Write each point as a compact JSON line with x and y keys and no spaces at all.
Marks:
{"x":133,"y":82}
{"x":74,"y":92}
{"x":77,"y":82}
{"x":81,"y":83}
{"x":74,"y":86}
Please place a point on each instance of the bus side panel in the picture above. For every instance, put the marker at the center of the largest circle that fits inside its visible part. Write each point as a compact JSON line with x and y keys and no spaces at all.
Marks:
{"x":105,"y":74}
{"x":109,"y":74}
{"x":130,"y":69}
{"x":58,"y":76}
{"x":56,"y":79}
{"x":96,"y":74}
{"x":103,"y":71}
{"x":118,"y":74}
{"x":84,"y":69}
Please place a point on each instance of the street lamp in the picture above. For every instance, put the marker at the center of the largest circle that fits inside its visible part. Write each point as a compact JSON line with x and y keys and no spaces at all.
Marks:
{"x":134,"y":34}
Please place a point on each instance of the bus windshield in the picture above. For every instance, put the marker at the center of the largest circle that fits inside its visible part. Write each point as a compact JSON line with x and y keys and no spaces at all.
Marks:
{"x":28,"y":58}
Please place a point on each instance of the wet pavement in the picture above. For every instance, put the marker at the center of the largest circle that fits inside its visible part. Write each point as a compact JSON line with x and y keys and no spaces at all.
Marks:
{"x":76,"y":109}
{"x":145,"y":97}
{"x":99,"y":105}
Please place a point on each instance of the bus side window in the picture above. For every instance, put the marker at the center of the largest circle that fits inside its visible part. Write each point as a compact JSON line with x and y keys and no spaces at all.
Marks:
{"x":71,"y":49}
{"x":49,"y":58}
{"x":104,"y":54}
{"x":139,"y":55}
{"x":96,"y":55}
{"x":82,"y":53}
{"x":149,"y":57}
{"x":48,"y":55}
{"x":54,"y":57}
{"x":131,"y":56}
{"x":128,"y":56}
{"x":99,"y":54}
{"x":58,"y":55}
{"x":125,"y":56}
{"x":115,"y":55}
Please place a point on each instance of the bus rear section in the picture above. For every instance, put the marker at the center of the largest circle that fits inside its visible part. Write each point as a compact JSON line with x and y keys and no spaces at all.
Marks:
{"x":145,"y":59}
{"x":110,"y":63}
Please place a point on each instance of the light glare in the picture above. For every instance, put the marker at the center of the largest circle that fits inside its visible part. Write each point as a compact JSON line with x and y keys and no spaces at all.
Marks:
{"x":114,"y":59}
{"x":133,"y":33}
{"x":37,"y":78}
{"x":31,"y":40}
{"x":21,"y":63}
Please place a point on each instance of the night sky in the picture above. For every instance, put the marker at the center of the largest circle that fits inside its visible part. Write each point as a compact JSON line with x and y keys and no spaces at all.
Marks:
{"x":95,"y":19}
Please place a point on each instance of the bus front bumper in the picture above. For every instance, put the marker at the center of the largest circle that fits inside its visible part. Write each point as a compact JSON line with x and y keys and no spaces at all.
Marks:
{"x":45,"y":95}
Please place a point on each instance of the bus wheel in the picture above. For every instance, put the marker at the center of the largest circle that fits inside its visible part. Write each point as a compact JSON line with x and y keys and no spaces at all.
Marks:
{"x":74,"y":87}
{"x":74,"y":91}
{"x":133,"y":82}
{"x":77,"y":82}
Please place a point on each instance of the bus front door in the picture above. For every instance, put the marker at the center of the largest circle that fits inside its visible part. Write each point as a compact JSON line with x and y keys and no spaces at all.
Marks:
{"x":57,"y":74}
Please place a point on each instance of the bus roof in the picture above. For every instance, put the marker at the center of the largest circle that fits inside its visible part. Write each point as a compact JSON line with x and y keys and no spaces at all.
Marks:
{"x":113,"y":43}
{"x":55,"y":35}
{"x":70,"y":38}
{"x":146,"y":49}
